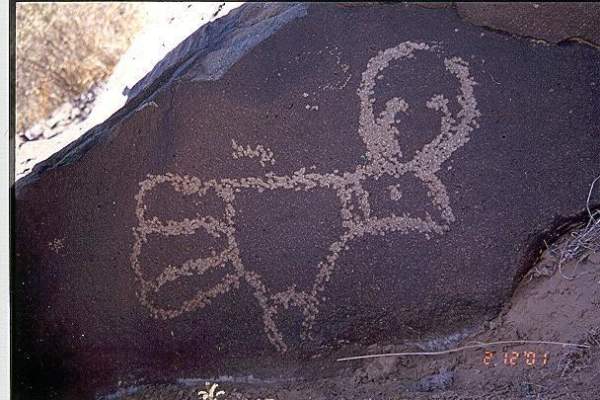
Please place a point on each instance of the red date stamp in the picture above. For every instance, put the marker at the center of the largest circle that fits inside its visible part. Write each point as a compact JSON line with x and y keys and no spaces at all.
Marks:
{"x":516,"y":358}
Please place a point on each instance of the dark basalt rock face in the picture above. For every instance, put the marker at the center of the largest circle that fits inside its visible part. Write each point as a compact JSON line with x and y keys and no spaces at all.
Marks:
{"x":359,"y":175}
{"x":551,"y":21}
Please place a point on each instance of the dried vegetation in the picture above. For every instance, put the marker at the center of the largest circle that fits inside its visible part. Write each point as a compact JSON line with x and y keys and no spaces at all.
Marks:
{"x":64,"y":49}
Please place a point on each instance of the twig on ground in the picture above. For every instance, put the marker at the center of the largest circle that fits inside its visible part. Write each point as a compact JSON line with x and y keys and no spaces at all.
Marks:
{"x":477,"y":345}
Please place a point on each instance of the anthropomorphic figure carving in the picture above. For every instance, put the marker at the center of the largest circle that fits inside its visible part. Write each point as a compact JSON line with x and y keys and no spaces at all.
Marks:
{"x":384,"y":158}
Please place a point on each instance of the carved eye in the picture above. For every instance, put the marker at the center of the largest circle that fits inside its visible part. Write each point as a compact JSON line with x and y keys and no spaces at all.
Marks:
{"x":393,"y":106}
{"x":395,"y":192}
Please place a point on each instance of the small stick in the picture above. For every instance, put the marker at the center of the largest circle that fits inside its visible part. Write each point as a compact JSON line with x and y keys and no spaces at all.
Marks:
{"x":590,"y":197}
{"x":472,"y":346}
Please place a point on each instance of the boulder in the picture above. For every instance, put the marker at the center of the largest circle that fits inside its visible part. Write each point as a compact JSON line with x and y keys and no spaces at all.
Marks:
{"x":297,"y":182}
{"x":554,"y":22}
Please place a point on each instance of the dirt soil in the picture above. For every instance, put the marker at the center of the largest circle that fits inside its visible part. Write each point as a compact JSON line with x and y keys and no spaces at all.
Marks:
{"x":550,"y":305}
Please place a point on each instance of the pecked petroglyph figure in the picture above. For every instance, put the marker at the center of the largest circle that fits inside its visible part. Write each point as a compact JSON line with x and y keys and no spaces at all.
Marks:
{"x":383,"y":158}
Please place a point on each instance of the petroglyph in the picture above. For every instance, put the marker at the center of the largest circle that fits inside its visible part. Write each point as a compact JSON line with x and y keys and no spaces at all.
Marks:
{"x":264,"y":153}
{"x":395,"y":192}
{"x":57,"y":245}
{"x":383,"y":157}
{"x":343,"y":67}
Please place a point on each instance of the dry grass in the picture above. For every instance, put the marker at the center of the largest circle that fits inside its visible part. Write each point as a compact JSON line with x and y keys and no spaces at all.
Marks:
{"x":584,"y":241}
{"x":63,"y":49}
{"x":581,"y":243}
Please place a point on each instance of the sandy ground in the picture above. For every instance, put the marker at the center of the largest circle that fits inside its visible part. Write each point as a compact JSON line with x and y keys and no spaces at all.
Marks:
{"x":165,"y":26}
{"x":549,"y":305}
